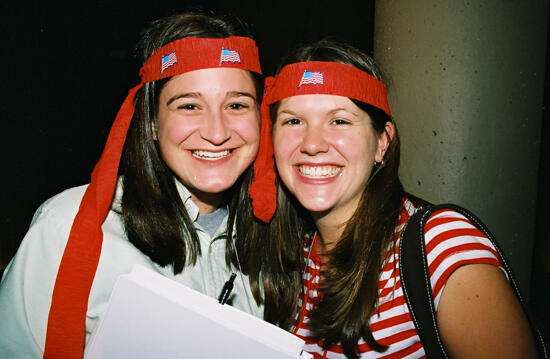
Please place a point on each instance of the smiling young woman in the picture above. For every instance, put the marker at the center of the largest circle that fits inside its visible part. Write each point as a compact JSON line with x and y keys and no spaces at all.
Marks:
{"x":330,"y":265}
{"x":185,"y":138}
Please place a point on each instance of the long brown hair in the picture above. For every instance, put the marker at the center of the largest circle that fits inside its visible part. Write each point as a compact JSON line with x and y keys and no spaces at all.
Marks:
{"x":153,"y":214}
{"x":350,"y":286}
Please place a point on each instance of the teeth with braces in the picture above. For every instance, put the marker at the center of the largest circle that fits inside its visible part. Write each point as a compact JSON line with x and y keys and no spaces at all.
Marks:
{"x":318,"y":171}
{"x":211,"y":156}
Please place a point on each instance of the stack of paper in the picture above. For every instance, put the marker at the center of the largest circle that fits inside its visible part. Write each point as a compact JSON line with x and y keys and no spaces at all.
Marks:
{"x":151,"y":316}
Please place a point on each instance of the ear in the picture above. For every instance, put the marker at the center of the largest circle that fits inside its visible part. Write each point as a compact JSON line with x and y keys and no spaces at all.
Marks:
{"x":384,"y":140}
{"x":154,"y":130}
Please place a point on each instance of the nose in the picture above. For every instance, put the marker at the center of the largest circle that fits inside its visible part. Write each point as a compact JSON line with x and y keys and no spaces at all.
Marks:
{"x":314,"y":141}
{"x":215,"y":129}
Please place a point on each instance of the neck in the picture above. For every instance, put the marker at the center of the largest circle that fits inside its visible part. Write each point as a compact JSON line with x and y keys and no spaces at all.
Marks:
{"x":329,"y":232}
{"x":331,"y":223}
{"x":207,"y":202}
{"x":330,"y":229}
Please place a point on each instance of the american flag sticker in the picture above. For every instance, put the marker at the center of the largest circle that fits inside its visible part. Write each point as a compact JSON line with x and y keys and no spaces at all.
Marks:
{"x":167,"y":61}
{"x":229,"y":56}
{"x":311,"y":77}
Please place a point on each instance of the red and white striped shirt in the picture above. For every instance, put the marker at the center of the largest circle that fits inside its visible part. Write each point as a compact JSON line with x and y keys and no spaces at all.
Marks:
{"x":451,"y":241}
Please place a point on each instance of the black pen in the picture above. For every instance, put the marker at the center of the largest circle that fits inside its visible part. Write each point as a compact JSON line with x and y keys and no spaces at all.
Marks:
{"x":227,"y":288}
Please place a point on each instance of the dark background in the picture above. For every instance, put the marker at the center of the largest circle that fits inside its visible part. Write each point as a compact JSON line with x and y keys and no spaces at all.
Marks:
{"x":67,"y":69}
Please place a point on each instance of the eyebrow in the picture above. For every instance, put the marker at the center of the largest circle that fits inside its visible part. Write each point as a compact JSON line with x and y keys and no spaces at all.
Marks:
{"x":333,"y":111}
{"x":229,"y":94}
{"x":239,"y":94}
{"x":289,"y":112}
{"x":183,"y":95}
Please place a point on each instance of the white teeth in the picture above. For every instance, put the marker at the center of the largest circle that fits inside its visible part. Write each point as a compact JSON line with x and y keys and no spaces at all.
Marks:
{"x":211,"y":156}
{"x":319,"y":171}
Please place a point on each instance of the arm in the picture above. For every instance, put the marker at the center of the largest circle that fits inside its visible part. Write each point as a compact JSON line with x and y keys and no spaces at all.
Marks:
{"x":25,"y":295}
{"x":26,"y":289}
{"x":480,"y":317}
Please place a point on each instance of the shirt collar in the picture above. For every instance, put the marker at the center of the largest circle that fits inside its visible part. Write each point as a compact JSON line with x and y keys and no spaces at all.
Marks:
{"x":185,"y":195}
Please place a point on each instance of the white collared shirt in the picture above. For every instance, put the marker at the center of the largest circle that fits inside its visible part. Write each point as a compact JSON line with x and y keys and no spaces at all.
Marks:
{"x":27,"y":285}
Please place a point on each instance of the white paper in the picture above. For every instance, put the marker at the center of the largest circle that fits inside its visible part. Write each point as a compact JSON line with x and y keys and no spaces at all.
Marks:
{"x":150,"y":316}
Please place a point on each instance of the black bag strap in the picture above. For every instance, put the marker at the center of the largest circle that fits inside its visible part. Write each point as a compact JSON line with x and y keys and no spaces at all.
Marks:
{"x":416,"y":285}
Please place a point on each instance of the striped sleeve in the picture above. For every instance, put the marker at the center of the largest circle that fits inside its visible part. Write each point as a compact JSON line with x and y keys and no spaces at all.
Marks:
{"x":453,"y":241}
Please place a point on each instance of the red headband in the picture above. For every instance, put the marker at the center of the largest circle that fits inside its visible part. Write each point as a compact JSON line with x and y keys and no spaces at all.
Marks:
{"x":305,"y":78}
{"x":191,"y":53}
{"x":67,"y":317}
{"x":329,"y":78}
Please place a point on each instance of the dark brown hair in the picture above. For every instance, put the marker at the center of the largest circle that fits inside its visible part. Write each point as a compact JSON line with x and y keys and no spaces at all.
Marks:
{"x":153,"y":214}
{"x":350,"y":286}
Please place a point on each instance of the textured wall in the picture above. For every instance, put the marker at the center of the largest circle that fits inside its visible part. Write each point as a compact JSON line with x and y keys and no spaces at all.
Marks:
{"x":466,"y":82}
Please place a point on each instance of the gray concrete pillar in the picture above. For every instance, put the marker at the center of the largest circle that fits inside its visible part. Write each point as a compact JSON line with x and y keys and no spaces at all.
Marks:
{"x":466,"y":82}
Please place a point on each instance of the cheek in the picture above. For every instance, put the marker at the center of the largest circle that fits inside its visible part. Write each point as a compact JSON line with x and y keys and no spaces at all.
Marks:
{"x":174,"y":128}
{"x":283,"y":143}
{"x":356,"y":145}
{"x":349,"y":146}
{"x":248,"y":129}
{"x":173,"y":131}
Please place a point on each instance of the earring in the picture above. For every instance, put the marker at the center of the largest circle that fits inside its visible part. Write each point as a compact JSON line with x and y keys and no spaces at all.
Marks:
{"x":380,"y":164}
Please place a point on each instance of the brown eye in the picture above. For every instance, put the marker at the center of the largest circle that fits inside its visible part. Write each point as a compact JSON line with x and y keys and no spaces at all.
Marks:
{"x":340,"y":121}
{"x":292,"y":121}
{"x":188,"y":107}
{"x":238,"y":106}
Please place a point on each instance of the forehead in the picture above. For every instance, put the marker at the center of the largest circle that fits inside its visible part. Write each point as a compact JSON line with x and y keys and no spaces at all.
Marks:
{"x":317,"y":102}
{"x":211,"y":80}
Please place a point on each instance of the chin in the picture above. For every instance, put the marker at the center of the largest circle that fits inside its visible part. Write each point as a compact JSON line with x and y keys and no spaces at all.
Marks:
{"x":316,"y":206}
{"x":213,"y":182}
{"x":215,"y":188}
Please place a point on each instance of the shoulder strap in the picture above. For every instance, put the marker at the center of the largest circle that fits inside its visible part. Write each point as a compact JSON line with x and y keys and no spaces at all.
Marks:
{"x":416,"y":285}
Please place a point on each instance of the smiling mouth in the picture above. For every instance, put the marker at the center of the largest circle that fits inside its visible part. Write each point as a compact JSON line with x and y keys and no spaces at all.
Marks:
{"x":210,"y":156}
{"x":319,"y":171}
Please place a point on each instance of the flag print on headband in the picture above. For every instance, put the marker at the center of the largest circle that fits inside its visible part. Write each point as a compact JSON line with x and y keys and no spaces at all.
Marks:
{"x":66,"y":325}
{"x":197,"y":53}
{"x":229,"y":56}
{"x":311,"y":77}
{"x":329,"y":78}
{"x":167,"y":61}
